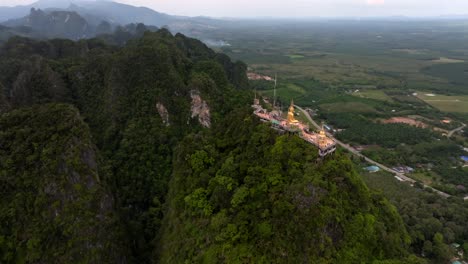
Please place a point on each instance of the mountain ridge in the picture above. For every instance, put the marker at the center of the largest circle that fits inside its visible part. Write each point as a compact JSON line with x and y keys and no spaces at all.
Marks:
{"x":54,"y":24}
{"x":117,"y":99}
{"x":96,"y":13}
{"x":107,"y":10}
{"x":185,"y":189}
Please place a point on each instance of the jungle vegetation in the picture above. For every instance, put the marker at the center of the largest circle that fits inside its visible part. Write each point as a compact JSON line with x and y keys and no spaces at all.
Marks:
{"x":91,"y":173}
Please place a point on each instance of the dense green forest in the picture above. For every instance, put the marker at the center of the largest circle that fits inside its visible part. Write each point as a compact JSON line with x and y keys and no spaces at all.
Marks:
{"x":361,"y":130}
{"x":240,"y":193}
{"x":149,"y":153}
{"x":116,"y":91}
{"x":54,"y":206}
{"x":433,"y":222}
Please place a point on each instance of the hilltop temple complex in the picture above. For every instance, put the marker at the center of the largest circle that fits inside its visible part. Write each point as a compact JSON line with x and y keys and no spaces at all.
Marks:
{"x":324,"y":144}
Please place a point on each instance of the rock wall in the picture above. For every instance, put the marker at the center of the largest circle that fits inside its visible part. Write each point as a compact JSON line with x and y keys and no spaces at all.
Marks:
{"x":200,"y":109}
{"x":162,"y":110}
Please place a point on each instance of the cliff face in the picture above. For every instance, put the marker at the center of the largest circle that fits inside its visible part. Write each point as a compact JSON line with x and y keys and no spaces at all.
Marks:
{"x":163,"y":113}
{"x":200,"y":109}
{"x":54,"y":208}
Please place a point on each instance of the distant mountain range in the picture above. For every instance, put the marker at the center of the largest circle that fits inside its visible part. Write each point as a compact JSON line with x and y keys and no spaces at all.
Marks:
{"x":94,"y":12}
{"x":106,"y":10}
{"x":117,"y":13}
{"x":54,"y":23}
{"x":78,"y":19}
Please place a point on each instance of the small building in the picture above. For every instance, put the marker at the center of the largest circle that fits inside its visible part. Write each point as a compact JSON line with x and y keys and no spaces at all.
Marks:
{"x":403,"y":169}
{"x":399,"y":178}
{"x":372,"y":169}
{"x":455,"y":245}
{"x":446,"y":121}
{"x":359,"y":148}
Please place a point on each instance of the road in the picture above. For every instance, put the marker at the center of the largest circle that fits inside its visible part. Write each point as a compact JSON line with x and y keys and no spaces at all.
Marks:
{"x":450,"y":134}
{"x":357,"y":153}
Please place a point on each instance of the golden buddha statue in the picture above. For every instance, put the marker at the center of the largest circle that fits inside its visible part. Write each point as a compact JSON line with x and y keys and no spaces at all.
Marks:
{"x":291,"y":119}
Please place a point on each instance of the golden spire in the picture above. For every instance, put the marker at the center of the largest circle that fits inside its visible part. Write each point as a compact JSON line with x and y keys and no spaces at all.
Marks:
{"x":322,"y":131}
{"x":322,"y":138}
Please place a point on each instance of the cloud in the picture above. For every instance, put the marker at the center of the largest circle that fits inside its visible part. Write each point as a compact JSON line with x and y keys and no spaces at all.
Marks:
{"x":375,"y":2}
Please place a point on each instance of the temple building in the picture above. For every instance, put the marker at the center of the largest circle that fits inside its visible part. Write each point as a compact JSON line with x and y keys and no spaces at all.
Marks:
{"x":326,"y":145}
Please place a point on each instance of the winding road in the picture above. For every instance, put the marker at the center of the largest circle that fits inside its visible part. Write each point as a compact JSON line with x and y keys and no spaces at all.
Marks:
{"x":450,"y":134}
{"x":357,"y":153}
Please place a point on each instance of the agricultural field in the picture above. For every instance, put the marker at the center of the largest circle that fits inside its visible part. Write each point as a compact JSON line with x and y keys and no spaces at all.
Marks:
{"x":296,"y":56}
{"x":286,"y":91}
{"x":447,"y":60}
{"x":373,"y":94}
{"x":347,"y":107}
{"x":445,"y":103}
{"x":427,"y":177}
{"x":454,"y":73}
{"x":348,"y":54}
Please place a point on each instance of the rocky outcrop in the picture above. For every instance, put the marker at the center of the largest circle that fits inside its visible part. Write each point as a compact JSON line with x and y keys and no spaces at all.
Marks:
{"x":200,"y":109}
{"x":162,"y":110}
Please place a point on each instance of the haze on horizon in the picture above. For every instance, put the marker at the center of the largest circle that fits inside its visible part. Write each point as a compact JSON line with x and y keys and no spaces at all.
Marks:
{"x":296,"y":8}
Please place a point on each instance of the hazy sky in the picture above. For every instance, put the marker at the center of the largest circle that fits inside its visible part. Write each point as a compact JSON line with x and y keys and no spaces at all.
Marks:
{"x":296,"y":8}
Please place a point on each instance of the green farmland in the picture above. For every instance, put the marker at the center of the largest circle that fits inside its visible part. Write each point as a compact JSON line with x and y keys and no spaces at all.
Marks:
{"x":445,"y":103}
